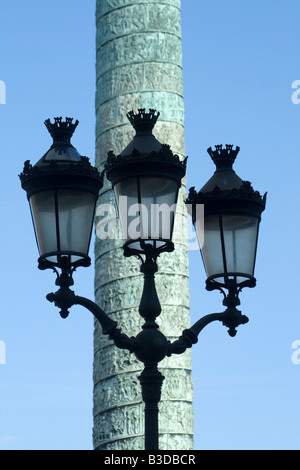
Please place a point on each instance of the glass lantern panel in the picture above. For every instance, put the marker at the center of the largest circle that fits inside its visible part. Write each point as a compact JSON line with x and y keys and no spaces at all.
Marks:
{"x":147,"y":207}
{"x":76,"y":216}
{"x":159,"y":198}
{"x":211,"y":245}
{"x":63,"y":221}
{"x":126,"y":193}
{"x":240,"y":238}
{"x":42,"y":207}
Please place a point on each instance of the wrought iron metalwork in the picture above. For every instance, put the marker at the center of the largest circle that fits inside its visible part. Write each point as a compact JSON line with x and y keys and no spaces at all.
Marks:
{"x":150,"y":345}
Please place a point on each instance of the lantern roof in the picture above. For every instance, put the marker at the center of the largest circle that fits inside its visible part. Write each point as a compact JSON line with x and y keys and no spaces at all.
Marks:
{"x":225,"y":187}
{"x":144,"y":151}
{"x":62,"y":162}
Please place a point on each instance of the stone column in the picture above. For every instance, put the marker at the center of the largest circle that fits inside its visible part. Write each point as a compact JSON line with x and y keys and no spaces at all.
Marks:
{"x":139,"y":65}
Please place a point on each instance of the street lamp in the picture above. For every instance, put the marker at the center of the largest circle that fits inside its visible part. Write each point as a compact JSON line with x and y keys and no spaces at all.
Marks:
{"x":143,"y":165}
{"x":62,"y":189}
{"x":232,"y":213}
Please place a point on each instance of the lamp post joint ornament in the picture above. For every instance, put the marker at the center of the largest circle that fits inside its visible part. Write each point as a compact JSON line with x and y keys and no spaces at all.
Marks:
{"x":62,"y":189}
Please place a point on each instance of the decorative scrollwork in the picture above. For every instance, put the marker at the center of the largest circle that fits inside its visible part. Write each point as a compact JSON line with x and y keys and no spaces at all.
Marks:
{"x":82,"y":167}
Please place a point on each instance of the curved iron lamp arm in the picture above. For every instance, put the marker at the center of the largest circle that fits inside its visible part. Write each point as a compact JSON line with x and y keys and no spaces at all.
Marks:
{"x":65,"y":298}
{"x":232,"y":318}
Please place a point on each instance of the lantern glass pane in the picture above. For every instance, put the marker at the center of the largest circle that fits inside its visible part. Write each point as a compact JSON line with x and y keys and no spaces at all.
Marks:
{"x":147,"y":207}
{"x":212,"y":246}
{"x":159,"y":197}
{"x":76,"y":216}
{"x":42,"y":207}
{"x":63,"y":221}
{"x":240,"y":237}
{"x":126,"y":193}
{"x":229,"y":246}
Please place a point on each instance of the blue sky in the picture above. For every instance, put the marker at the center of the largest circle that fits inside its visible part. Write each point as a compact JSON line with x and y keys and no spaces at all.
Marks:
{"x":239,"y":63}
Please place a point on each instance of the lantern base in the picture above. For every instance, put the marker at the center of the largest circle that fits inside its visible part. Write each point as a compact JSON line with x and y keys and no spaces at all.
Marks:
{"x":230,"y":280}
{"x":64,"y":260}
{"x":233,"y":284}
{"x":149,"y":248}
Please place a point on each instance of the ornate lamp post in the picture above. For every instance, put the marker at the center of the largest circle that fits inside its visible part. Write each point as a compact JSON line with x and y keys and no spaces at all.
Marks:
{"x":62,"y":189}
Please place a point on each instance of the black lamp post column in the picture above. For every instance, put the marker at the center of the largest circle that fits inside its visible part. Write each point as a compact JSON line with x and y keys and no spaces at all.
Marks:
{"x":152,"y":348}
{"x":151,"y":381}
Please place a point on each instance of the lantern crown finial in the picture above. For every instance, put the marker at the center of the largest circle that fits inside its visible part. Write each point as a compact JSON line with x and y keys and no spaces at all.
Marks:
{"x":143,"y":122}
{"x":61,"y":131}
{"x":223,"y":158}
